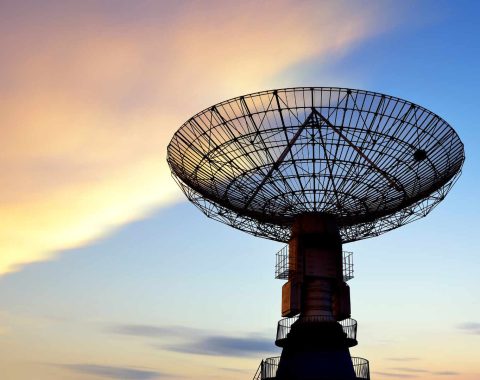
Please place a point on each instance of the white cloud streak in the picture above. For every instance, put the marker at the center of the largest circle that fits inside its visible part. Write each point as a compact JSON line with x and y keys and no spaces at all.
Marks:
{"x":90,"y":97}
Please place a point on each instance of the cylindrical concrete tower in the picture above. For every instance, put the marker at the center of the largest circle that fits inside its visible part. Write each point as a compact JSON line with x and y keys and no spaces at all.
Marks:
{"x":316,"y":347}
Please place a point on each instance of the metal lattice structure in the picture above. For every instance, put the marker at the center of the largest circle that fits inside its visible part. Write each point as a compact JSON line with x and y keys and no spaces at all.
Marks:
{"x":374,"y":161}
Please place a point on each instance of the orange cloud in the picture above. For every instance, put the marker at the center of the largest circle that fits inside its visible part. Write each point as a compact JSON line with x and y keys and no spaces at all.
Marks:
{"x":90,"y":101}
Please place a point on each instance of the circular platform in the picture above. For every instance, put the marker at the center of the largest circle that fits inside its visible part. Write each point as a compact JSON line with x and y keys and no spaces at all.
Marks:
{"x":374,"y":161}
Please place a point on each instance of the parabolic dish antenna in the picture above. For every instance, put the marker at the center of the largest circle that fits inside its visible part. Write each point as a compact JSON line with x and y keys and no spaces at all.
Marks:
{"x":373,"y":161}
{"x":315,"y":167}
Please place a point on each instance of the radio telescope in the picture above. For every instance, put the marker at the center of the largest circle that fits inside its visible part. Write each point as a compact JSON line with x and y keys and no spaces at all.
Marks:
{"x":315,"y":167}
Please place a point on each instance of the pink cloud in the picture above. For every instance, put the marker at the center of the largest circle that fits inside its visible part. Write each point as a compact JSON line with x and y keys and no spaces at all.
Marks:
{"x":91,"y":97}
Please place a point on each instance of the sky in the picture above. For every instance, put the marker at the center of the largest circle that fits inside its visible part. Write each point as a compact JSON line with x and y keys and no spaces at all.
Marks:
{"x":107,"y":272}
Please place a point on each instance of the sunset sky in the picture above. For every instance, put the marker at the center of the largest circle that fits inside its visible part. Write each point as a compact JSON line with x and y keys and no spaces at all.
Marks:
{"x":107,"y":272}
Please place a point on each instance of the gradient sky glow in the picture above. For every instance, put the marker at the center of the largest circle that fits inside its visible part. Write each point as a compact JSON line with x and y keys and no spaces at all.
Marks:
{"x":108,"y":273}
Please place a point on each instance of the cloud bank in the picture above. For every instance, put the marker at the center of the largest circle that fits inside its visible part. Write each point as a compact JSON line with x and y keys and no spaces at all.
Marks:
{"x":225,"y":346}
{"x":199,"y":342}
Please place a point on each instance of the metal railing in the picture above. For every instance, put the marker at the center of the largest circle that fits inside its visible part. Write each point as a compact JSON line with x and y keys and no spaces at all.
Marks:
{"x":284,"y":326}
{"x":347,"y":265}
{"x":349,"y":327}
{"x":267,"y":369}
{"x":282,"y":268}
{"x":361,"y":367}
{"x":282,"y":264}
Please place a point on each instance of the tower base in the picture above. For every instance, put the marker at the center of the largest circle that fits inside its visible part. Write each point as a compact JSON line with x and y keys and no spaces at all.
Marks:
{"x":316,"y":351}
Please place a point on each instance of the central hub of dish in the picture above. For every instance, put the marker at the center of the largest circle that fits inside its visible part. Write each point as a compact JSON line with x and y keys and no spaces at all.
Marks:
{"x":315,"y":287}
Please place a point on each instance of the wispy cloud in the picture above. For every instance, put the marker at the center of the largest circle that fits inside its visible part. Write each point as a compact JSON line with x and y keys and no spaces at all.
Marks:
{"x":446,"y":373}
{"x":125,"y":373}
{"x":150,"y":331}
{"x":236,"y":370}
{"x":197,"y":341}
{"x":403,"y":359}
{"x":396,"y":375}
{"x":407,"y":369}
{"x":418,"y":371}
{"x":470,"y":327}
{"x":225,"y":346}
{"x":91,"y":95}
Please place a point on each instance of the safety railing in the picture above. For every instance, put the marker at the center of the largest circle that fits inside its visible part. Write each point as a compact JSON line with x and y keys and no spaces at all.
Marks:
{"x":361,"y":367}
{"x":267,"y":369}
{"x":282,"y":265}
{"x":347,"y":266}
{"x":349,"y":327}
{"x":284,"y":326}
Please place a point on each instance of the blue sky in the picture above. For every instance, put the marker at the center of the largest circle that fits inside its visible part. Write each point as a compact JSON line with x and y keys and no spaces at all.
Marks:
{"x":138,"y":292}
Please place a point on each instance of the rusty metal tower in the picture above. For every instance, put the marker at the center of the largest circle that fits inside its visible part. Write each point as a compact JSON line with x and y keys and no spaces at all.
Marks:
{"x":315,"y":168}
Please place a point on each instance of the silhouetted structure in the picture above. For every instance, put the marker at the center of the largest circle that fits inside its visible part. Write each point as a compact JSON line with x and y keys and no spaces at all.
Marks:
{"x":315,"y":167}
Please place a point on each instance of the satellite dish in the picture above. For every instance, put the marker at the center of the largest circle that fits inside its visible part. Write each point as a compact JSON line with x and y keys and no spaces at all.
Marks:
{"x":374,"y":161}
{"x":315,"y":167}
